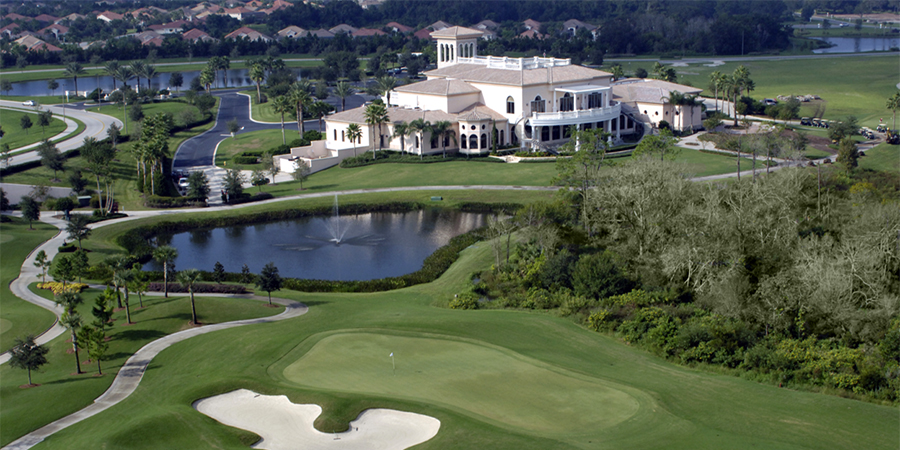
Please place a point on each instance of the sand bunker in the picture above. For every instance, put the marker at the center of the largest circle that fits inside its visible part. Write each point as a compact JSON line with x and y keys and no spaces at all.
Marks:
{"x":284,"y":425}
{"x":715,"y":64}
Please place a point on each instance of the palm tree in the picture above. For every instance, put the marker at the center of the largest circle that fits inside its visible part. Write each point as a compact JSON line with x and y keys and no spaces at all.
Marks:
{"x":139,"y":69}
{"x":689,"y":101}
{"x":72,"y":321}
{"x":220,"y":63}
{"x":149,"y":73}
{"x":401,"y":130}
{"x":188,"y":278}
{"x":124,"y":278}
{"x":207,"y":77}
{"x":674,"y":98}
{"x":123,"y":74}
{"x":376,"y":115}
{"x":117,"y":264}
{"x":258,"y":74}
{"x":714,"y":84}
{"x":617,"y":72}
{"x":111,"y":69}
{"x":893,"y":104}
{"x":443,"y":129}
{"x":354,"y":132}
{"x":282,"y":105}
{"x":385,"y":85}
{"x":320,"y":109}
{"x":165,"y":255}
{"x":299,"y":95}
{"x":344,"y":90}
{"x":73,"y":69}
{"x":419,"y":127}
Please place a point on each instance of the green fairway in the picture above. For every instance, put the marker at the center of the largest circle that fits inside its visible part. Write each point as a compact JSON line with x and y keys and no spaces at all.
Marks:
{"x":856,"y":86}
{"x":478,"y":379}
{"x":18,"y":317}
{"x":679,"y":408}
{"x":15,"y":136}
{"x":62,"y":392}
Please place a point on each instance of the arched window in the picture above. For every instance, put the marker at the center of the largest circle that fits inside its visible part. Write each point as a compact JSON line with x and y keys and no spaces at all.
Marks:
{"x":484,"y":143}
{"x":538,"y":105}
{"x":567,"y":103}
{"x":510,"y":105}
{"x":473,"y":141}
{"x":462,"y":141}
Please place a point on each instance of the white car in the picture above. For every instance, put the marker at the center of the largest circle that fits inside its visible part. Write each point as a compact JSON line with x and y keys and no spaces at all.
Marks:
{"x":183,"y":183}
{"x":28,"y":103}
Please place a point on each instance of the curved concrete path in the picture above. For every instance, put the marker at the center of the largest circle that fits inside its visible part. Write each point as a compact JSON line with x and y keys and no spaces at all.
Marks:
{"x":130,"y":375}
{"x":95,"y":125}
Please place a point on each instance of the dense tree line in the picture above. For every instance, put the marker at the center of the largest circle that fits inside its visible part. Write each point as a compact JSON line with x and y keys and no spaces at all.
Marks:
{"x":791,"y":278}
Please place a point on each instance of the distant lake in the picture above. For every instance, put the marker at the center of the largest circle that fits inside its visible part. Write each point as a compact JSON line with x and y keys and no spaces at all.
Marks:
{"x":235,"y":77}
{"x":858,"y":44}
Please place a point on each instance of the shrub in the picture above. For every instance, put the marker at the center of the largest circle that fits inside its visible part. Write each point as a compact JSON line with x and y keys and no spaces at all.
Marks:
{"x":599,"y":320}
{"x":246,"y":160}
{"x":200,"y":288}
{"x":466,"y":300}
{"x":67,"y":248}
{"x":58,"y":287}
{"x":155,"y":201}
{"x":259,"y":196}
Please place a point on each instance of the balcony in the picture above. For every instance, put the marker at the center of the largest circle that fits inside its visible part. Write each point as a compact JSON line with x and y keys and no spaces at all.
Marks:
{"x":576,"y":117}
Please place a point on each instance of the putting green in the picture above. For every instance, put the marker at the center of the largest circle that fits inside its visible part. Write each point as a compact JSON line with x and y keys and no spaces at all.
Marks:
{"x":498,"y":385}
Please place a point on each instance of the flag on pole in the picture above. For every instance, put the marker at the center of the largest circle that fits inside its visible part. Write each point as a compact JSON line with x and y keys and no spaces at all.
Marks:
{"x":391,"y":355}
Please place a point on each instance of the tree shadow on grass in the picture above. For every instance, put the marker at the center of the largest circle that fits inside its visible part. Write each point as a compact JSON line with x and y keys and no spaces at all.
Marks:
{"x":320,"y":187}
{"x":138,"y":335}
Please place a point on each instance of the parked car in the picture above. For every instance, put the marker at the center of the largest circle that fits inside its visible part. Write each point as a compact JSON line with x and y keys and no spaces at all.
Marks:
{"x":28,"y":103}
{"x":183,"y":183}
{"x":806,"y":121}
{"x":770,"y":102}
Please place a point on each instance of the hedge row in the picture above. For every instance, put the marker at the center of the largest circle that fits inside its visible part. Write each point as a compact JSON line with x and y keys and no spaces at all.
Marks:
{"x":390,"y":156}
{"x":259,"y":196}
{"x":200,"y":288}
{"x":155,"y":201}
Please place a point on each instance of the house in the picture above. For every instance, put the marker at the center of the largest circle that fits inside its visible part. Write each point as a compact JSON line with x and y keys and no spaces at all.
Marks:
{"x":248,"y":33}
{"x":33,"y":44}
{"x":109,"y":16}
{"x":278,"y":5}
{"x":71,"y":18}
{"x":11,"y":30}
{"x":424,"y":33}
{"x":572,"y":26}
{"x":527,"y":102}
{"x":439,"y":25}
{"x":647,"y":101}
{"x":532,"y":25}
{"x":14,"y":16}
{"x":46,"y":18}
{"x":54,"y":30}
{"x":531,"y":34}
{"x":169,"y":28}
{"x":486,"y":25}
{"x":292,"y":32}
{"x":322,"y":33}
{"x":241,"y":13}
{"x":195,"y":35}
{"x":148,"y":37}
{"x":145,"y":13}
{"x":343,"y":28}
{"x":367,"y":32}
{"x":398,"y":28}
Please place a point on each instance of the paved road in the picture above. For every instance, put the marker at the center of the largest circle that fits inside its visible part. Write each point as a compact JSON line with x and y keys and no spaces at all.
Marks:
{"x":96,"y":126}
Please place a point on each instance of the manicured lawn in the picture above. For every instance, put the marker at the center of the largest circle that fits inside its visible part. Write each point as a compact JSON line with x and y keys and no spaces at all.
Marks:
{"x":174,"y":107}
{"x":15,"y":136}
{"x":700,"y":164}
{"x":39,"y":99}
{"x":883,"y":157}
{"x":263,"y":112}
{"x":18,"y":317}
{"x":254,"y":140}
{"x":123,"y":166}
{"x":478,"y":355}
{"x":863,"y":94}
{"x":24,"y":410}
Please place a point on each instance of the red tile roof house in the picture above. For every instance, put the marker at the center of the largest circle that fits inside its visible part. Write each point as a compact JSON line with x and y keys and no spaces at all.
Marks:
{"x":367,"y":32}
{"x":11,"y":30}
{"x":197,"y":35}
{"x":399,"y":28}
{"x":33,"y":44}
{"x":56,"y":30}
{"x":249,"y":34}
{"x":169,"y":28}
{"x":46,"y":18}
{"x":343,"y":28}
{"x":292,"y":32}
{"x":14,"y":16}
{"x":241,"y":13}
{"x":109,"y":16}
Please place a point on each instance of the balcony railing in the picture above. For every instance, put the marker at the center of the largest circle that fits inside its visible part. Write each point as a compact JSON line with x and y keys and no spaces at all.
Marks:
{"x":503,"y":62}
{"x":577,"y":116}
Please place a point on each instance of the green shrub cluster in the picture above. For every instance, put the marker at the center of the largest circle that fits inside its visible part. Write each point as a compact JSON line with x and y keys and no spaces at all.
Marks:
{"x":390,"y":156}
{"x":246,"y":198}
{"x":155,"y":201}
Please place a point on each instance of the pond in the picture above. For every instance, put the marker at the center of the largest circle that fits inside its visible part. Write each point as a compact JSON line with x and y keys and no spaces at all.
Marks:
{"x":354,"y":247}
{"x":858,"y":44}
{"x":235,"y":77}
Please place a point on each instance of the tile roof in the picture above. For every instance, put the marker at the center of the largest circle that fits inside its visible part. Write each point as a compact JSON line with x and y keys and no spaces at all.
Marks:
{"x":292,"y":31}
{"x":321,"y":33}
{"x":343,"y":28}
{"x":366,"y":32}
{"x":477,"y":112}
{"x":476,"y":73}
{"x":196,"y":34}
{"x":438,"y":86}
{"x":358,"y":115}
{"x":457,"y":32}
{"x":399,"y":27}
{"x":647,"y":90}
{"x":46,"y":18}
{"x":439,"y":25}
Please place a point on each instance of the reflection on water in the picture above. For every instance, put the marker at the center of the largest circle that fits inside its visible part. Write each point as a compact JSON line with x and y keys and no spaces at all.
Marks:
{"x":858,"y":44}
{"x":374,"y":245}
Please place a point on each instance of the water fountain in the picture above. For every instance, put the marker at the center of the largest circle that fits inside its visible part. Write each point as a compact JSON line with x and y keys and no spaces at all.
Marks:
{"x":334,"y":224}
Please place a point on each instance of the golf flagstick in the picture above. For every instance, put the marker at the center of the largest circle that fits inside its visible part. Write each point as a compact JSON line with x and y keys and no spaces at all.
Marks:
{"x":393,"y":366}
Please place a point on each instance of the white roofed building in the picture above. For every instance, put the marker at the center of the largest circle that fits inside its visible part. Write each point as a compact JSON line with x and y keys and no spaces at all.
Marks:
{"x":526,"y":102}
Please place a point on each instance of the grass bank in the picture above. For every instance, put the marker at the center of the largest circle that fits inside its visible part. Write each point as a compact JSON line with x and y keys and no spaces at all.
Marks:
{"x":15,"y":136}
{"x":652,"y":403}
{"x":18,"y":317}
